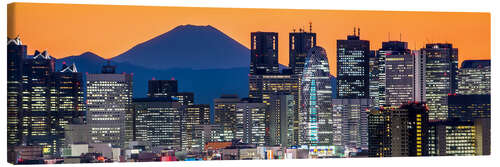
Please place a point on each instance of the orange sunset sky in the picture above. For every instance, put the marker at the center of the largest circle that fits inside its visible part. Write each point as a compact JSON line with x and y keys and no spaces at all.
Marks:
{"x":66,"y":30}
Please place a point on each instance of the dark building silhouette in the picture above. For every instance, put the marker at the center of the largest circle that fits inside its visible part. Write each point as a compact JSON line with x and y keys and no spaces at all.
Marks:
{"x":66,"y":101}
{"x":467,"y":108}
{"x":264,"y":53}
{"x":16,"y":53}
{"x":398,"y":131}
{"x":299,"y":45}
{"x":162,"y":88}
{"x":169,"y":89}
{"x":37,"y":125}
{"x":440,"y":77}
{"x":353,"y":56}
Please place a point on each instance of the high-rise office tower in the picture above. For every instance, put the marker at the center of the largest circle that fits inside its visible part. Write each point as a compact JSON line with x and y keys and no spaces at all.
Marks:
{"x":373,"y":81}
{"x":36,"y":119}
{"x":351,"y":127}
{"x":66,"y":101}
{"x":467,"y":108}
{"x":396,"y":132}
{"x":265,"y":86}
{"x":452,"y":138}
{"x":441,"y":70}
{"x":353,"y":56}
{"x":169,"y":89}
{"x":379,"y":132}
{"x":16,"y":53}
{"x":399,"y":72}
{"x":109,"y":106}
{"x":299,"y":45}
{"x":225,"y":115}
{"x":193,"y":115}
{"x":250,"y":121}
{"x":315,"y":127}
{"x":419,"y":75}
{"x":282,"y":113}
{"x":474,"y":77}
{"x":264,"y":53}
{"x":159,"y":121}
{"x":397,"y":54}
{"x":162,"y":88}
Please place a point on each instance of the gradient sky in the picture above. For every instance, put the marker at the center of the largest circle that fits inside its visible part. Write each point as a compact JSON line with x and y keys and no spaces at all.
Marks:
{"x":66,"y":30}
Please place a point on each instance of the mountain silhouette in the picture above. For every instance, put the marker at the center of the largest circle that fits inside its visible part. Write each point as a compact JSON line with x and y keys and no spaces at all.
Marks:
{"x":206,"y":84}
{"x":188,"y":46}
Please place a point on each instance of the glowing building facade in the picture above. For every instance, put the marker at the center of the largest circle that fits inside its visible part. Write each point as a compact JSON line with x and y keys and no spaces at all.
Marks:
{"x":109,"y":105}
{"x":474,"y":78}
{"x":441,"y":70}
{"x":315,"y":127}
{"x":158,"y":121}
{"x":353,"y":63}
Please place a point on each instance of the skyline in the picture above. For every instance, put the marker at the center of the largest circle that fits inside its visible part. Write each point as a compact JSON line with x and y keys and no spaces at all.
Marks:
{"x":133,"y":25}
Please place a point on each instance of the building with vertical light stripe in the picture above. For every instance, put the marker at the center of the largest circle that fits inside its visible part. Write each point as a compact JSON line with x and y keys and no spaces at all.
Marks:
{"x":315,"y":127}
{"x":264,"y":53}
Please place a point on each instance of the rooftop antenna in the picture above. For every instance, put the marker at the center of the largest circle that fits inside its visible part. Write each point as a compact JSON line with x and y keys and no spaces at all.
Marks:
{"x":310,"y":26}
{"x":359,"y":32}
{"x":354,"y":31}
{"x":400,"y":37}
{"x":293,"y":29}
{"x":389,"y":36}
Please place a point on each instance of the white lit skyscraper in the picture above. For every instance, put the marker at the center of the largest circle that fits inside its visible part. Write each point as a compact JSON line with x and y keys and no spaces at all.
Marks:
{"x":109,"y":97}
{"x":316,"y":100}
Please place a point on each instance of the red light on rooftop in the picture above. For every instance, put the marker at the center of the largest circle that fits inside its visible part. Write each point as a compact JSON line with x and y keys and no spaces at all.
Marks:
{"x":64,"y":62}
{"x":172,"y":78}
{"x":153,"y":78}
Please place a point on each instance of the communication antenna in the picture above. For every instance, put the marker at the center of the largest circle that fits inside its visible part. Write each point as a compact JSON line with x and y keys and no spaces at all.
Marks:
{"x":354,"y":31}
{"x":400,"y":36}
{"x":359,"y":32}
{"x":389,"y":36}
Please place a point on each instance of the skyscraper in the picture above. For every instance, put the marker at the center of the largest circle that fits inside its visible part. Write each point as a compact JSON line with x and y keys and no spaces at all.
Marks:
{"x":398,"y":131}
{"x":264,"y":53}
{"x":36,"y":119}
{"x":474,"y":77}
{"x":282,"y":118}
{"x":353,"y":124}
{"x":109,"y":105}
{"x":192,"y":116}
{"x":353,"y":56}
{"x":419,"y":75}
{"x":16,"y":53}
{"x":169,"y":89}
{"x":392,"y":54}
{"x":467,"y":108}
{"x":250,"y":121}
{"x":316,"y":100}
{"x":399,"y":72}
{"x":162,"y":88}
{"x":225,"y":115}
{"x":66,"y":101}
{"x":299,"y":45}
{"x":440,"y":77}
{"x":265,"y":86}
{"x":158,"y":121}
{"x":452,"y":138}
